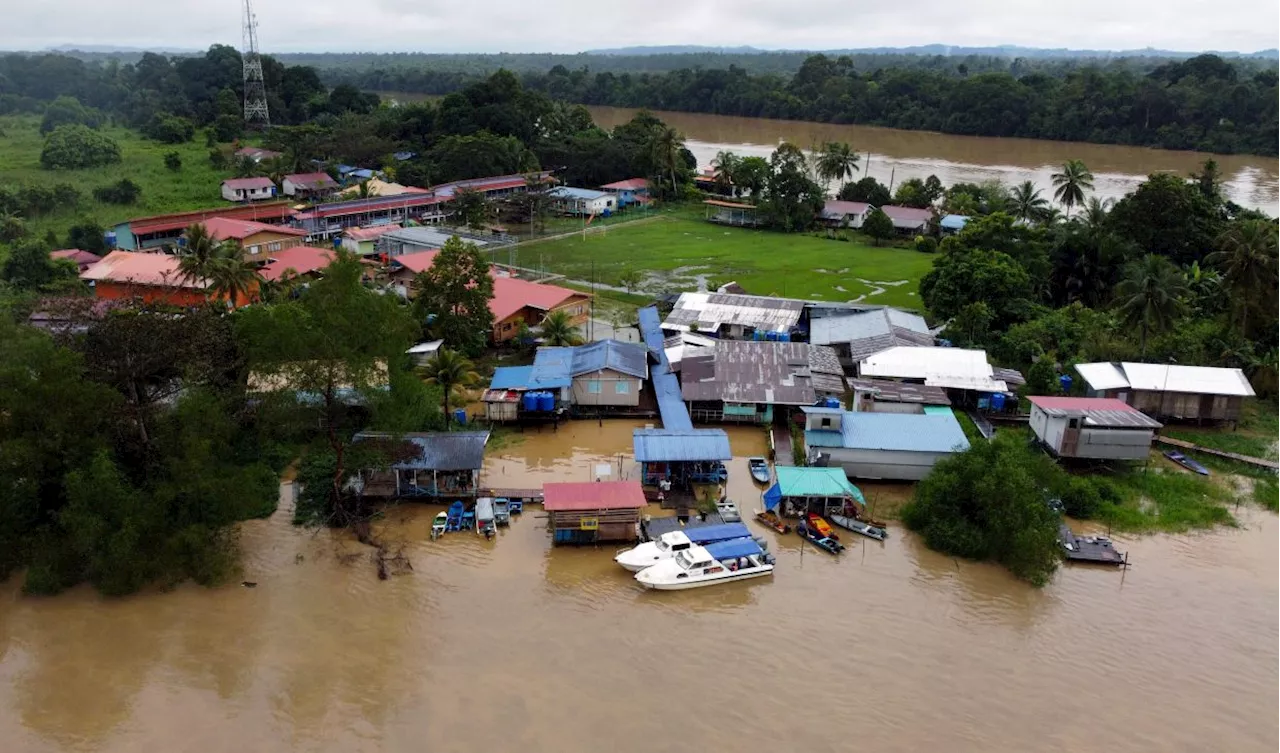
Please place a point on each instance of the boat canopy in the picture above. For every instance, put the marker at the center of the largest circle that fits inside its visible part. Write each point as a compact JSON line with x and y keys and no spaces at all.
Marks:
{"x":772,"y":496}
{"x":484,"y":508}
{"x":722,"y":532}
{"x":744,"y":547}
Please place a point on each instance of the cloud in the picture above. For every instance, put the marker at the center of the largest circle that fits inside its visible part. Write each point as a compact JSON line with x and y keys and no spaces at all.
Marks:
{"x":573,"y":25}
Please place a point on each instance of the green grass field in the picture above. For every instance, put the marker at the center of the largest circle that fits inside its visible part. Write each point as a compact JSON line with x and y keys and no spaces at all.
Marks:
{"x":195,"y":186}
{"x":676,"y":252}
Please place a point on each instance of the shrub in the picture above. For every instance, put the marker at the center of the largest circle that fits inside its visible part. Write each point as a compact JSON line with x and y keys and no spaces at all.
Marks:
{"x":169,"y":129}
{"x":173,"y":161}
{"x":123,"y":191}
{"x":927,"y":244}
{"x":70,"y":147}
{"x":1080,"y":498}
{"x":87,"y":236}
{"x":68,"y":111}
{"x":217,"y":160}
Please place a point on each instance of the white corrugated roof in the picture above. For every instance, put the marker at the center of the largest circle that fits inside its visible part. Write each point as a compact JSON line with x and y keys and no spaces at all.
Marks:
{"x":956,"y":368}
{"x":1205,"y":380}
{"x":711,"y":310}
{"x":844,"y":328}
{"x":1102,"y":376}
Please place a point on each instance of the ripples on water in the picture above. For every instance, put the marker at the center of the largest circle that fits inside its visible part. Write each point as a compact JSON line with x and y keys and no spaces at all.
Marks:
{"x":513,"y":644}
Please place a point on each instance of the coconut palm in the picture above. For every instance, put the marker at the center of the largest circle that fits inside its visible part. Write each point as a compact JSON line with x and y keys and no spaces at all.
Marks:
{"x":725,"y":164}
{"x":1246,"y":256}
{"x":453,"y":373}
{"x":558,"y":329}
{"x":1026,"y":203}
{"x":666,"y":145}
{"x":1095,"y":212}
{"x":1151,"y":295}
{"x":199,"y":253}
{"x":231,"y":277}
{"x":836,"y":162}
{"x":1071,"y":184}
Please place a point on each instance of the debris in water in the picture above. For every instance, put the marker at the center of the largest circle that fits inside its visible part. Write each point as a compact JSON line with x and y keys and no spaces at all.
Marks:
{"x":249,"y":583}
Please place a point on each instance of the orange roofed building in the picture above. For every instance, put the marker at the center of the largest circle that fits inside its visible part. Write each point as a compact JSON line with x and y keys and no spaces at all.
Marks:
{"x":154,"y":278}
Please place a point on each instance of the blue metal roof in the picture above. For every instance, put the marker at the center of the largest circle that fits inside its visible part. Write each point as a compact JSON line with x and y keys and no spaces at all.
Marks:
{"x":651,"y":330}
{"x":511,"y":378}
{"x":712,"y":534}
{"x":954,"y":221}
{"x":569,"y":192}
{"x":666,"y":445}
{"x":675,"y":416}
{"x":625,"y":358}
{"x":907,"y":432}
{"x":734,"y":548}
{"x":551,"y":368}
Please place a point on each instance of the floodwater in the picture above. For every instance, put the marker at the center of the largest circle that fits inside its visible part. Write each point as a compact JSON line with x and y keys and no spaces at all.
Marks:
{"x":891,"y":155}
{"x":511,"y":645}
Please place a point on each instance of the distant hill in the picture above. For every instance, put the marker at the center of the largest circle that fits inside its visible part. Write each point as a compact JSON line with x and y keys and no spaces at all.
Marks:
{"x":1009,"y":51}
{"x":110,"y":48}
{"x":677,"y":49}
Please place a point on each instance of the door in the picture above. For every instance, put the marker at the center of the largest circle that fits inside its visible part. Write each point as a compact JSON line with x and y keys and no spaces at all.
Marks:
{"x":1070,"y":439}
{"x":1206,"y":407}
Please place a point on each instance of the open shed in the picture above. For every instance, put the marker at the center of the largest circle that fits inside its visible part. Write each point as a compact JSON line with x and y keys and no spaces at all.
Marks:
{"x":1101,"y":428}
{"x":591,"y":512}
{"x":683,"y":457}
{"x":803,"y":490}
{"x":426,"y":464}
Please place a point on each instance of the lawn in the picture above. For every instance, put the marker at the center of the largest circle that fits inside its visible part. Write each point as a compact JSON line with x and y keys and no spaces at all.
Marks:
{"x":195,"y":186}
{"x":675,"y":253}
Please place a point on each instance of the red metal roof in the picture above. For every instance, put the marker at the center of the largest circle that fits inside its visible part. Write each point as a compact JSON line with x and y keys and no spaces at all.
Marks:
{"x":1081,"y":403}
{"x":76,"y":255}
{"x":312,"y":180}
{"x":381,"y":203}
{"x":141,"y":269}
{"x":599,"y":495}
{"x":418,"y":261}
{"x":368,"y":233}
{"x":906,"y":213}
{"x":630,"y":184}
{"x":510,"y":295}
{"x":835,"y":206}
{"x":301,"y":259}
{"x":234,"y":183}
{"x":224,"y":228}
{"x":277,"y":211}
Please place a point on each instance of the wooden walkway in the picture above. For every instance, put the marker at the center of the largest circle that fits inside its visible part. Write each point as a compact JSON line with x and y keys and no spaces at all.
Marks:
{"x":783,"y":454}
{"x":1260,"y":462}
{"x":983,"y":425}
{"x":1091,"y":549}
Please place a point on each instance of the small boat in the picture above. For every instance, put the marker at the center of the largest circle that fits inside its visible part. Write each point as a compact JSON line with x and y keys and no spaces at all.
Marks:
{"x":773,"y":521}
{"x":502,"y":511}
{"x":515,"y":506}
{"x":857,"y":526}
{"x":669,"y":544}
{"x":485,"y":525}
{"x":728,"y":511}
{"x":820,"y":524}
{"x":468,"y":520}
{"x":439,"y":525}
{"x":759,"y":469}
{"x":454,"y":517}
{"x":723,"y":562}
{"x":1186,"y":462}
{"x":826,"y":544}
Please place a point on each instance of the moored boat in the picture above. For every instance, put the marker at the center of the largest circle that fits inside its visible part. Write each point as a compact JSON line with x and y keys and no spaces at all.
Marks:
{"x":728,"y":511}
{"x":1186,"y":462}
{"x":484,"y":518}
{"x":669,"y":544}
{"x":439,"y":525}
{"x":722,"y":562}
{"x":502,"y":511}
{"x":759,"y":469}
{"x":773,"y":521}
{"x":857,"y":526}
{"x":825,"y":543}
{"x":454,"y":517}
{"x":515,"y":506}
{"x":820,"y":524}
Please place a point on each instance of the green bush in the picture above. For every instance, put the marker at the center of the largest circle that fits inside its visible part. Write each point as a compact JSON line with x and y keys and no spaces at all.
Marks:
{"x":123,"y":191}
{"x":70,"y":147}
{"x":1080,"y":498}
{"x":68,"y":111}
{"x":926,"y":244}
{"x":169,"y":129}
{"x":173,"y":161}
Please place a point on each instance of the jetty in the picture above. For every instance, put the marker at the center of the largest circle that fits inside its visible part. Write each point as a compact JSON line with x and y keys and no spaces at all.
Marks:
{"x":652,"y":528}
{"x":1095,"y":550}
{"x":1259,"y":462}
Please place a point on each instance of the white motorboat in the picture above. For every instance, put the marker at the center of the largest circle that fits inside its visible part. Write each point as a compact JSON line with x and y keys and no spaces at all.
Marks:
{"x":857,"y":526}
{"x":666,"y":545}
{"x":697,"y":566}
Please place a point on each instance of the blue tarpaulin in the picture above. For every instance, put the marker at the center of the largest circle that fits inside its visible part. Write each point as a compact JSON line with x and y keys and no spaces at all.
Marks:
{"x":734,"y":548}
{"x":772,"y":496}
{"x":712,"y":534}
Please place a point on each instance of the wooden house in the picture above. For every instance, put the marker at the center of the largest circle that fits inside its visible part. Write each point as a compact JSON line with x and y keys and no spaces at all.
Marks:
{"x":154,"y":278}
{"x":248,"y":189}
{"x":592,"y":512}
{"x":1098,"y":428}
{"x":1200,"y":393}
{"x":257,"y":240}
{"x":891,"y":446}
{"x":681,"y":457}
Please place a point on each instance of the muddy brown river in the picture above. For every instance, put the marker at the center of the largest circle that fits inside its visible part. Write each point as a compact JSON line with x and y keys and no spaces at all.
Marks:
{"x":892,"y":155}
{"x":511,"y":645}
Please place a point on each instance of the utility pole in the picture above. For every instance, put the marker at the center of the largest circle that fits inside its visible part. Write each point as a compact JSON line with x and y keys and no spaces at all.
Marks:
{"x":255,"y":88}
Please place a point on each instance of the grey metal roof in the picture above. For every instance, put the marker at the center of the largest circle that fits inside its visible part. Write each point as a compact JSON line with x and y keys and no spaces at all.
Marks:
{"x":841,"y":329}
{"x":625,"y":358}
{"x":779,"y":373}
{"x":711,"y":310}
{"x":1011,"y":377}
{"x":438,"y":451}
{"x":426,"y":237}
{"x":1106,"y":412}
{"x":895,"y":432}
{"x":687,"y":445}
{"x":889,"y":391}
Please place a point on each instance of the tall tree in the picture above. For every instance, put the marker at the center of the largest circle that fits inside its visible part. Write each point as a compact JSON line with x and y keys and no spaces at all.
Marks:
{"x":557,"y":328}
{"x":1151,"y":296}
{"x":472,"y":207}
{"x":452,"y":372}
{"x":836,"y":162}
{"x":726,"y":165}
{"x":1246,"y":256}
{"x":878,"y":226}
{"x":792,"y":199}
{"x":1071,"y":183}
{"x":231,"y":277}
{"x":752,"y":176}
{"x":453,"y":298}
{"x":666,"y":144}
{"x":199,"y":254}
{"x":1026,"y":203}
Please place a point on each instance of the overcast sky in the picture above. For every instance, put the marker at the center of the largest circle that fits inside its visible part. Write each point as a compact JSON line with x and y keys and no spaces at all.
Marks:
{"x":573,"y":26}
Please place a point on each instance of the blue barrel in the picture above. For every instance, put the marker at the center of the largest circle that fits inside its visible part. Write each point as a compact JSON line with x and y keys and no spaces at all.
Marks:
{"x":546,"y":401}
{"x":460,"y":416}
{"x":772,"y":337}
{"x":784,"y":337}
{"x":831,"y":402}
{"x":997,"y":401}
{"x":1064,"y":382}
{"x":110,"y":238}
{"x":530,"y":401}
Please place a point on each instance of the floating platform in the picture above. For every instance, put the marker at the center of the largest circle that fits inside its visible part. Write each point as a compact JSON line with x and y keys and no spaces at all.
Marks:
{"x":1097,"y":550}
{"x":654,"y":527}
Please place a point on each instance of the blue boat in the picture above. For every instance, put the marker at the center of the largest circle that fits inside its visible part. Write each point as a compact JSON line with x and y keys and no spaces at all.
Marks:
{"x":453,"y":521}
{"x":736,"y":548}
{"x":468,"y":520}
{"x":830,"y":546}
{"x":703,"y":535}
{"x":1186,"y":462}
{"x":515,"y":506}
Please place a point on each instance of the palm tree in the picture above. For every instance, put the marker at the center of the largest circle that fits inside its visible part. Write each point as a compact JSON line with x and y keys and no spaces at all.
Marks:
{"x":1071,"y":184}
{"x":836,"y":162}
{"x":666,"y":145}
{"x":1026,"y":203}
{"x":231,"y":277}
{"x":725,"y":164}
{"x":366,"y":191}
{"x":558,"y":329}
{"x":453,"y":373}
{"x":1246,"y":256}
{"x":198,"y":255}
{"x":1151,"y":295}
{"x":1095,"y":212}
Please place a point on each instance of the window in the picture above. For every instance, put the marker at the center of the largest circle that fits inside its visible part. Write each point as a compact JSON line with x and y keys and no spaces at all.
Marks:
{"x":621,"y":388}
{"x":826,"y":422}
{"x":273,"y":246}
{"x":1073,"y":423}
{"x":253,"y":250}
{"x":593,"y":386}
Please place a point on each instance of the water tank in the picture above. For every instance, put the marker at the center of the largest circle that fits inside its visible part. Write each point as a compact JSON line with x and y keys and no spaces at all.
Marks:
{"x":110,"y":238}
{"x":784,"y":337}
{"x":831,"y":402}
{"x":546,"y":401}
{"x":772,"y":337}
{"x":1064,"y":382}
{"x":997,"y":401}
{"x":530,"y":401}
{"x":460,"y":416}
{"x":337,"y":241}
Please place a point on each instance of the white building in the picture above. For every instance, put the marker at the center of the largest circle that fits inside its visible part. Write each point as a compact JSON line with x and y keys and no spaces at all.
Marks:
{"x":583,"y":201}
{"x":845,"y":213}
{"x":949,"y":368}
{"x":1092,"y":427}
{"x":248,"y":189}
